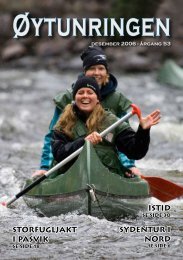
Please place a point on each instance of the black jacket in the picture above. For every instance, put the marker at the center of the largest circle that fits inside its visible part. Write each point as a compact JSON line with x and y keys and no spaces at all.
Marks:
{"x":134,"y":144}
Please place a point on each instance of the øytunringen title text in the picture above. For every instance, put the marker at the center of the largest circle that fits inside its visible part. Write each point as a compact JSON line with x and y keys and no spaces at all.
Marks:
{"x":148,"y":27}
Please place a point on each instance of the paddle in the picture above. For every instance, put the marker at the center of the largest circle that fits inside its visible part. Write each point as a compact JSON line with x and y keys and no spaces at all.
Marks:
{"x":162,"y":189}
{"x":135,"y":110}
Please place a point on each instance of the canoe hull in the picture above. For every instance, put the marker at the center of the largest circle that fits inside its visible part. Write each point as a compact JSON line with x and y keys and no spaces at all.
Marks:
{"x":107,"y":206}
{"x":89,"y":188}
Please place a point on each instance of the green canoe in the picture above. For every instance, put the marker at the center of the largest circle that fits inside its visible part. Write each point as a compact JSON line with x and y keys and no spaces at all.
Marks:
{"x":88,"y":187}
{"x":171,"y":74}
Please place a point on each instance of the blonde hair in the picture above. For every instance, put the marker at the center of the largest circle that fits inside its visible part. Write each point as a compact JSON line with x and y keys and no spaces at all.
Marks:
{"x":68,"y":119}
{"x":106,"y":79}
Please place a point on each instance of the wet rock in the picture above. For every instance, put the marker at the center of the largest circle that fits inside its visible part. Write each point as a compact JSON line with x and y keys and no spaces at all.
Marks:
{"x":129,"y":60}
{"x":6,"y":25}
{"x":26,"y":62}
{"x":13,"y":51}
{"x":45,"y":49}
{"x":73,"y":64}
{"x":136,"y":63}
{"x":65,"y":48}
{"x":52,"y":47}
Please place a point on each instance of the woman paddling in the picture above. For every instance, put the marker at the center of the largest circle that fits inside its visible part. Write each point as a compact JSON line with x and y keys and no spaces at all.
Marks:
{"x":95,"y":65}
{"x":85,"y":118}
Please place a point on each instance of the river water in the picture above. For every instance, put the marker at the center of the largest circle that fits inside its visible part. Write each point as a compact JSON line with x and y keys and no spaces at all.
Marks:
{"x":26,"y":107}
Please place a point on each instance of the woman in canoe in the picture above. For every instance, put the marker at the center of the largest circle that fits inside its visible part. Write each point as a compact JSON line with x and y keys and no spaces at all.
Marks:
{"x":85,"y":118}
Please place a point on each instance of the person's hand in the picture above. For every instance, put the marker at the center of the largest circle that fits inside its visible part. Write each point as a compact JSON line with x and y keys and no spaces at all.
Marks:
{"x":94,"y":138}
{"x":136,"y":171}
{"x":133,"y":171}
{"x":150,"y":120}
{"x":38,"y":173}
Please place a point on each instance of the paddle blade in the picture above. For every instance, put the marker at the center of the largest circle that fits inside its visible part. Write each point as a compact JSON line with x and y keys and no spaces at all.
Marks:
{"x":162,"y":189}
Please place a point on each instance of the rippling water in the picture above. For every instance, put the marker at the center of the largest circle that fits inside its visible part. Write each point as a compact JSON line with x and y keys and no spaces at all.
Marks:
{"x":26,"y":107}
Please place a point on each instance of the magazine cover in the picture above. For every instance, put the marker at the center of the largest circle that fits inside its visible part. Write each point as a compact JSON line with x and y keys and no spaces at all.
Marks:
{"x":91,"y":101}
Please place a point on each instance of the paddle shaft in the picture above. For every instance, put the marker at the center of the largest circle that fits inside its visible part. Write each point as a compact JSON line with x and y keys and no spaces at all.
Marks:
{"x":72,"y":156}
